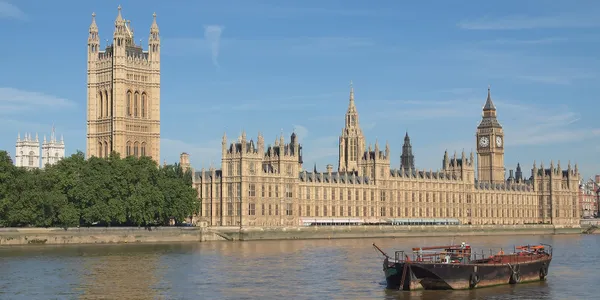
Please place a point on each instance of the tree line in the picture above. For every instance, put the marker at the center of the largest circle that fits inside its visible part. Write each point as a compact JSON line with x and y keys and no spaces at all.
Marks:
{"x":109,"y":191}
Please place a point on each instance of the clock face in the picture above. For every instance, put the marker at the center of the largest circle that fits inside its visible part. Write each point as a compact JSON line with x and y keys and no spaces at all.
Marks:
{"x":484,"y":141}
{"x":499,"y":141}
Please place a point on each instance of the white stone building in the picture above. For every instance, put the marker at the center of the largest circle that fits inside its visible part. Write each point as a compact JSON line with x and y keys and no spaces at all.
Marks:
{"x":27,"y":152}
{"x":52,"y":150}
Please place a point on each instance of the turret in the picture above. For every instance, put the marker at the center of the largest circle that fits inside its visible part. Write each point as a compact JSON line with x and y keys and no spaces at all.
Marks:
{"x":93,"y":40}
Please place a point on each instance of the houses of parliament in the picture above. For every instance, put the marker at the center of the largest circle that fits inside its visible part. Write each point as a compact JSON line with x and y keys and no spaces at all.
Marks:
{"x":262,"y":184}
{"x":266,"y":185}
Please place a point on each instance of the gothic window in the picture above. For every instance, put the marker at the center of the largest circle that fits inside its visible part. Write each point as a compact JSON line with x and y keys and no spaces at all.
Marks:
{"x":100,"y":104}
{"x":136,"y":149}
{"x":143,"y":106}
{"x":128,"y":111}
{"x":135,"y":104}
{"x":128,"y":152}
{"x":100,"y":150}
{"x":106,"y":106}
{"x":110,"y":103}
{"x":31,"y":154}
{"x":106,"y":152}
{"x":143,"y":150}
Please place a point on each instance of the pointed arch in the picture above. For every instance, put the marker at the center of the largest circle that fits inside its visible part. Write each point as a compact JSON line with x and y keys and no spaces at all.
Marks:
{"x":110,"y":103}
{"x":106,"y":151}
{"x":100,"y":149}
{"x":100,"y":105}
{"x":143,"y":105}
{"x":106,"y":106}
{"x":31,"y":155}
{"x":136,"y":104}
{"x":128,"y":151}
{"x":128,"y":104}
{"x":143,"y":149}
{"x":136,"y":149}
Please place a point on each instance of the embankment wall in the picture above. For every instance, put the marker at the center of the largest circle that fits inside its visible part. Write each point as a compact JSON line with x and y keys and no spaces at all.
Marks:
{"x":114,"y":235}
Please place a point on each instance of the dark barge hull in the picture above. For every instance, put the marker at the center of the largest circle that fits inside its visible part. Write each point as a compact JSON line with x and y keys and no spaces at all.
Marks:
{"x":440,"y":276}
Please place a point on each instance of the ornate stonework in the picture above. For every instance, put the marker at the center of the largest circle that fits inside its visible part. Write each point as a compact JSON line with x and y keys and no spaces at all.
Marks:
{"x":27,"y":152}
{"x":123,"y":107}
{"x":265,"y":185}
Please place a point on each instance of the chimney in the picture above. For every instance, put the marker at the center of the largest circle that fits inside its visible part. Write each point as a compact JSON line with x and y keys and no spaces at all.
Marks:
{"x":330,"y":168}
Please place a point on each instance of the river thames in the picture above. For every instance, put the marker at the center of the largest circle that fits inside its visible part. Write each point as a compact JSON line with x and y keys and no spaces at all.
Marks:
{"x":297,"y":269}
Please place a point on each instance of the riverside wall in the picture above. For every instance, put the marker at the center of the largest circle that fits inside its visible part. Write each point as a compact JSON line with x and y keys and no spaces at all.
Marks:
{"x":125,"y":235}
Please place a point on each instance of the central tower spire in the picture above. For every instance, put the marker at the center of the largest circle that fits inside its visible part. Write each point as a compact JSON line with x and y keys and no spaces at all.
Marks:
{"x":352,"y":141}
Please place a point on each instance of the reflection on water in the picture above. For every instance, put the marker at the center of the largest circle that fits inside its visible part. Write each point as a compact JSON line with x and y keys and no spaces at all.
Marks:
{"x":317,"y":269}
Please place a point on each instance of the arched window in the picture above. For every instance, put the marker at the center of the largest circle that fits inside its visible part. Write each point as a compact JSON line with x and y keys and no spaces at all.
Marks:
{"x":136,"y":104}
{"x":31,"y":154}
{"x":100,"y":150}
{"x":143,"y":149}
{"x":128,"y":111}
{"x":106,"y":106}
{"x":106,"y":151}
{"x":136,"y":149}
{"x":143,"y":106}
{"x":128,"y":149}
{"x":100,"y":105}
{"x":110,"y":102}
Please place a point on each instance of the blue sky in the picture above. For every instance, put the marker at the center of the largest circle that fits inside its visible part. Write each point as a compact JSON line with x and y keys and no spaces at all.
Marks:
{"x":275,"y":66}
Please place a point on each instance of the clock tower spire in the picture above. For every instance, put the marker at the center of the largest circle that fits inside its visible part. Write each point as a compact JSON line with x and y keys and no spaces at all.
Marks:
{"x":490,"y":145}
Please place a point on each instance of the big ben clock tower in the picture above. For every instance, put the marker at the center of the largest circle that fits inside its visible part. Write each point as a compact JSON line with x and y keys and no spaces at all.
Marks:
{"x":490,"y":145}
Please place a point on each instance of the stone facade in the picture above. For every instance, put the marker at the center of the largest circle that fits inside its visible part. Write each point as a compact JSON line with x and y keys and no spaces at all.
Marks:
{"x":52,"y":150}
{"x":265,"y":185}
{"x":123,"y":107}
{"x":589,"y":196}
{"x":27,"y":152}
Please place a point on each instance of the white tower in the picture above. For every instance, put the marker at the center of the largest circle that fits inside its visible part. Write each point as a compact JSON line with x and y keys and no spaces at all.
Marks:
{"x":52,"y":150}
{"x":27,"y":152}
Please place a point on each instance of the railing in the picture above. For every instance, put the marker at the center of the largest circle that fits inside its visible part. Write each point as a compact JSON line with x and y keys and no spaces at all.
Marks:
{"x":461,"y":256}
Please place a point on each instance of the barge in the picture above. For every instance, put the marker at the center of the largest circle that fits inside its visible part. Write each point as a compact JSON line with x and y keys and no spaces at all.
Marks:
{"x":458,"y":267}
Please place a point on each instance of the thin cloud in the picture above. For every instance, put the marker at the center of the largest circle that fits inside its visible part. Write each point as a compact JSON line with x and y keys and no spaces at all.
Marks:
{"x":15,"y":100}
{"x":515,"y":42}
{"x":296,"y":46}
{"x":212,"y":34}
{"x":301,"y":132}
{"x":11,"y":11}
{"x":516,"y":22}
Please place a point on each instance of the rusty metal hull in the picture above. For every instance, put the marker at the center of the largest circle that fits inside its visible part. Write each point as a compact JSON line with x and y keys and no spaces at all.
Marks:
{"x":442,"y":276}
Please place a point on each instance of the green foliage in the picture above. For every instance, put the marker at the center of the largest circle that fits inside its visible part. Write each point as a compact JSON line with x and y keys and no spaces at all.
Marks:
{"x":107,"y":191}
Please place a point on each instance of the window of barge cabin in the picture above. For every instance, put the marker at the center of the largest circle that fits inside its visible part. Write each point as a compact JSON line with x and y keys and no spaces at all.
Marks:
{"x":251,"y":190}
{"x":288,"y":191}
{"x":251,"y":209}
{"x":288,"y":209}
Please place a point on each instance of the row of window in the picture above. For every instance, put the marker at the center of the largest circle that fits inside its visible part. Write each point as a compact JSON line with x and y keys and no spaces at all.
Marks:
{"x":364,"y":211}
{"x":136,"y":104}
